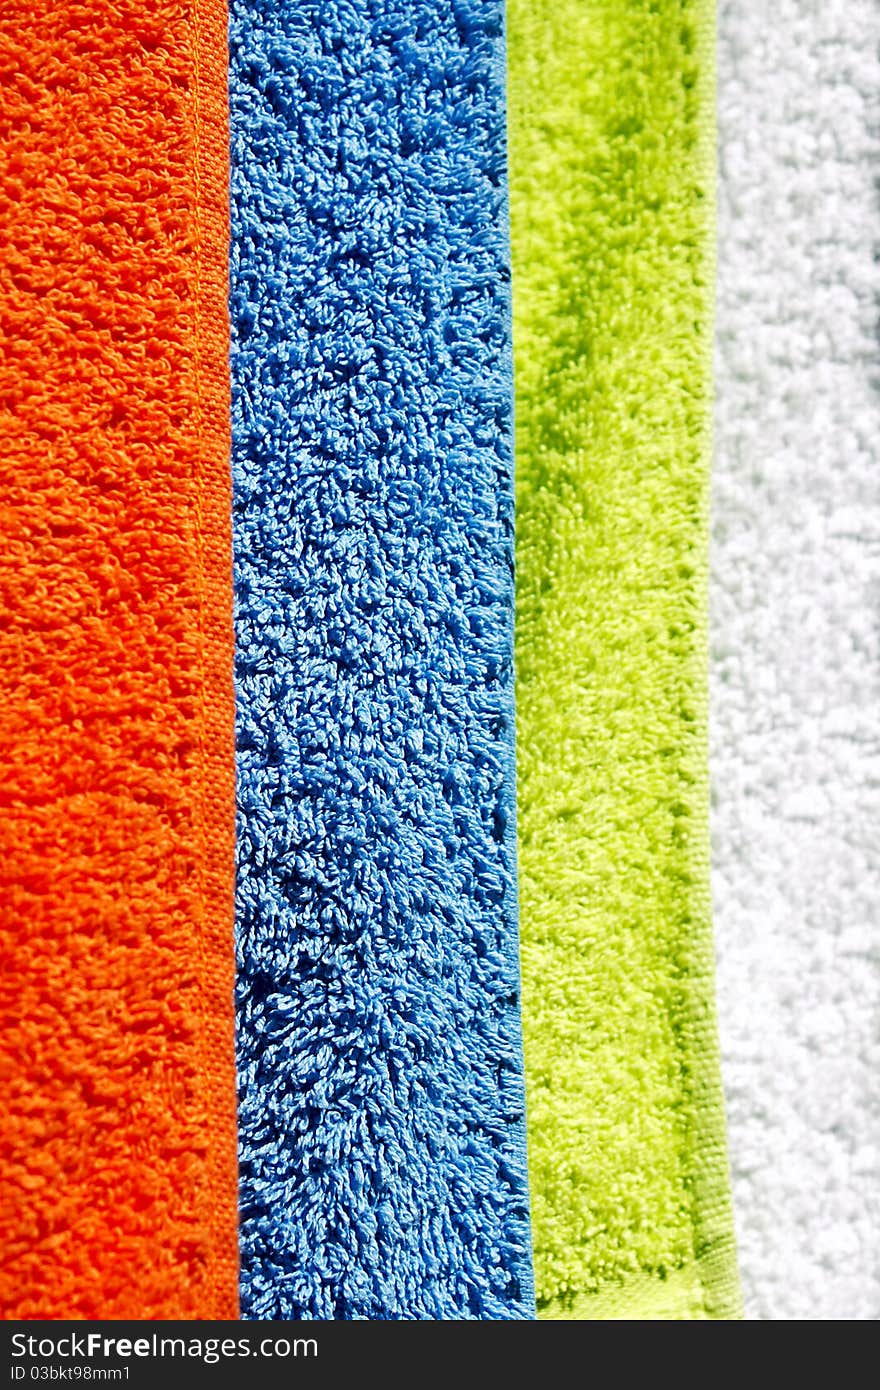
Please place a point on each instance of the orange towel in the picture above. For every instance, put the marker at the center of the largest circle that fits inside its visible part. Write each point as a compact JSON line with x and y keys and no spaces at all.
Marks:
{"x":117,"y":1131}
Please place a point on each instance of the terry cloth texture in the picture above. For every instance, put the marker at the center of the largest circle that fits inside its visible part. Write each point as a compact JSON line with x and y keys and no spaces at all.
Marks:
{"x":117,"y":1152}
{"x":383,"y":1171}
{"x":796,"y":649}
{"x":611,"y":130}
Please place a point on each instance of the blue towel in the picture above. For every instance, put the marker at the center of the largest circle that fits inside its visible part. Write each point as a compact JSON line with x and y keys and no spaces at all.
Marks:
{"x":383,"y":1169}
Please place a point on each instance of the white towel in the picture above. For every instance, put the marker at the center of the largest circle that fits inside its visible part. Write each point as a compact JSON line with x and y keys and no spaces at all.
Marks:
{"x":796,"y":648}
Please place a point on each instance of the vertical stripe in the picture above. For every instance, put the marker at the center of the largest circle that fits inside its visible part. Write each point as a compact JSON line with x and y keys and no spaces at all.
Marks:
{"x":116,"y":716}
{"x":611,"y":130}
{"x":382,"y":1144}
{"x":796,"y":649}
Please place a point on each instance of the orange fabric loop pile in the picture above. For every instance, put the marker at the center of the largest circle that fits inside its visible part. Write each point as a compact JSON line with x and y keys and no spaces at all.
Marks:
{"x":116,"y":707}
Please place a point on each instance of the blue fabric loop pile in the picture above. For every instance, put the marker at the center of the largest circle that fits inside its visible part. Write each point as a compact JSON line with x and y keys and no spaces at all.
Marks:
{"x":383,"y":1169}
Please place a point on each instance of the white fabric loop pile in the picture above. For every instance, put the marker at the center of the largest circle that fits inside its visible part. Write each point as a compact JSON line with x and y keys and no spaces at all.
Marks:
{"x":796,"y":648}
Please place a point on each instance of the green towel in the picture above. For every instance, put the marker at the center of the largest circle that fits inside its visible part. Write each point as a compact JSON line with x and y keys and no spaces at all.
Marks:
{"x":611,"y":152}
